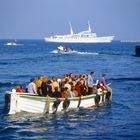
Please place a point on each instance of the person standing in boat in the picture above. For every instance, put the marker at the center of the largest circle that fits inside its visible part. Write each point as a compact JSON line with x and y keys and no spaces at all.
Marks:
{"x":90,"y":83}
{"x":44,"y":86}
{"x":31,"y":88}
{"x":102,"y":84}
{"x":38,"y":85}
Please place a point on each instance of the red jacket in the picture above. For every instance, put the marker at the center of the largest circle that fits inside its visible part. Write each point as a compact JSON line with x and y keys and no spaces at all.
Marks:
{"x":78,"y":90}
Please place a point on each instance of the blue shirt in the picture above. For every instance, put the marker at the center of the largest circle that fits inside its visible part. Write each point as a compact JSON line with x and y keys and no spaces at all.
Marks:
{"x":90,"y":81}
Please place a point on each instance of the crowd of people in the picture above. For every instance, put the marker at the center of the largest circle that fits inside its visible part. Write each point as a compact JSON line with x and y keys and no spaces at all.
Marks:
{"x":70,"y":85}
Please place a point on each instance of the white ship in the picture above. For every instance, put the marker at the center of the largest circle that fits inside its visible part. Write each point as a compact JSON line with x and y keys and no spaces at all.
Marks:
{"x":82,"y":37}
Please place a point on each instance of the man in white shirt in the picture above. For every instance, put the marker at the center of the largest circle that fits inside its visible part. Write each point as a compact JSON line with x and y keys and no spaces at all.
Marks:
{"x":32,"y":87}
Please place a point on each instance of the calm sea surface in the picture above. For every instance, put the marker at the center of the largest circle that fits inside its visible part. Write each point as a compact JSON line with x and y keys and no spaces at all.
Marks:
{"x":31,"y":58}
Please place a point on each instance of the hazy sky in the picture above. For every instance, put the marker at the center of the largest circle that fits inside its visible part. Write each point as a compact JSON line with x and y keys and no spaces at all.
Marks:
{"x":35,"y":19}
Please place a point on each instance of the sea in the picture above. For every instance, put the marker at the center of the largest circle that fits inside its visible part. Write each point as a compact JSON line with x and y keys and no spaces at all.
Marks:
{"x":118,"y":120}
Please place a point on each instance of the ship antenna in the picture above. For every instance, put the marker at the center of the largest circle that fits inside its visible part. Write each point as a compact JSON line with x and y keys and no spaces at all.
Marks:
{"x":89,"y":28}
{"x":71,"y":30}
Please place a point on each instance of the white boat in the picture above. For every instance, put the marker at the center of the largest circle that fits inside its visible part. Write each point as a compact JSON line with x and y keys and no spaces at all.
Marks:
{"x":65,"y":50}
{"x":11,"y":44}
{"x":82,"y":37}
{"x":35,"y":104}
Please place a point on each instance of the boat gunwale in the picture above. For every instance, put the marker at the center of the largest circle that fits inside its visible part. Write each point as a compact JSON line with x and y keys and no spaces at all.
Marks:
{"x":39,"y":98}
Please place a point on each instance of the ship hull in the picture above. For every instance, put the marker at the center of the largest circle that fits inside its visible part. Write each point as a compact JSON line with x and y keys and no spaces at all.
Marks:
{"x":81,"y":40}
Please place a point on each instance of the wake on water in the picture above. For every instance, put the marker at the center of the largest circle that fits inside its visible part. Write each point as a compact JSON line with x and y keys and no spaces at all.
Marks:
{"x":76,"y":52}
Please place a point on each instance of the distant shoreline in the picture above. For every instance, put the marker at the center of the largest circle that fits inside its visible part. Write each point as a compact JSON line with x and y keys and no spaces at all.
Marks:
{"x":130,"y":41}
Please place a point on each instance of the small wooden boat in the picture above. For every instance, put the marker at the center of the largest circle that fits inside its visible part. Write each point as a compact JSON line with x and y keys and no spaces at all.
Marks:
{"x":35,"y":104}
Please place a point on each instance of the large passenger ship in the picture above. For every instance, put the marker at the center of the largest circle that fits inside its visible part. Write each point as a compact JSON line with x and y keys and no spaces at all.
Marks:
{"x":83,"y":37}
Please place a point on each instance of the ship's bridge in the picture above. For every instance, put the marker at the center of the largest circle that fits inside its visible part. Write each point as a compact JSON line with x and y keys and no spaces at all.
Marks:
{"x":87,"y":33}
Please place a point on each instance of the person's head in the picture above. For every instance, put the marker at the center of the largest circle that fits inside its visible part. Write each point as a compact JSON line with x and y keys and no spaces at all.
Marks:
{"x":44,"y":79}
{"x":81,"y":82}
{"x":32,"y":80}
{"x":54,"y":78}
{"x":92,"y":74}
{"x":104,"y":75}
{"x":94,"y":86}
{"x":66,"y":80}
{"x":80,"y":76}
{"x":18,"y":87}
{"x":49,"y":82}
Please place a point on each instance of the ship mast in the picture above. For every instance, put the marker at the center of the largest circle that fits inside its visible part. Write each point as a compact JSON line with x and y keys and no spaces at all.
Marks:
{"x":89,"y":28}
{"x":71,"y":30}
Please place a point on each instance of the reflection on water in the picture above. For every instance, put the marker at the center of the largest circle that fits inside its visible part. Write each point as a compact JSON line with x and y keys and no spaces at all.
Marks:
{"x":82,"y":121}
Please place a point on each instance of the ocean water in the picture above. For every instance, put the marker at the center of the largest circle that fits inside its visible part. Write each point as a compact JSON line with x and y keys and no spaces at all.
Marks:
{"x":31,"y":58}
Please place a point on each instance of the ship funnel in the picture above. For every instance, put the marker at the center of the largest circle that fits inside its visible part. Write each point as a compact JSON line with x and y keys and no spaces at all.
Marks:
{"x":89,"y":28}
{"x":71,"y":30}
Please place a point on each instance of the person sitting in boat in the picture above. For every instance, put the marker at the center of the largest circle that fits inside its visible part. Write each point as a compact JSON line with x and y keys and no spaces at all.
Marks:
{"x":55,"y":83}
{"x":67,"y":84}
{"x":78,"y":88}
{"x":69,"y":93}
{"x":56,"y":93}
{"x":49,"y":88}
{"x":90,"y":83}
{"x":74,"y":91}
{"x":83,"y":88}
{"x":31,"y":88}
{"x":19,"y":88}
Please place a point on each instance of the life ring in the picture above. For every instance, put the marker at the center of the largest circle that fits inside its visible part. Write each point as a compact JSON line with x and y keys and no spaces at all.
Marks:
{"x":66,"y":104}
{"x":55,"y":105}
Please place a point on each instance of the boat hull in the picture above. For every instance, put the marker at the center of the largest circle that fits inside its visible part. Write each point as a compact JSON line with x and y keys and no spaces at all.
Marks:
{"x":36,"y":104}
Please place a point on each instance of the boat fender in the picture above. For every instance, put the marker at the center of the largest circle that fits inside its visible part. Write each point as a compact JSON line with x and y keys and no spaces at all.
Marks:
{"x":97,"y":99}
{"x":108,"y":94}
{"x":7,"y":100}
{"x":79,"y":102}
{"x":55,"y":105}
{"x":66,"y":104}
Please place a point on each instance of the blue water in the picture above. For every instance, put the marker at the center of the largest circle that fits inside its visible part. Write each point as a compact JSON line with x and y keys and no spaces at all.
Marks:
{"x":117,"y":121}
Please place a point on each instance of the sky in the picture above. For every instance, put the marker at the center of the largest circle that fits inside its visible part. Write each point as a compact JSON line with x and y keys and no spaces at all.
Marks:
{"x":35,"y":19}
